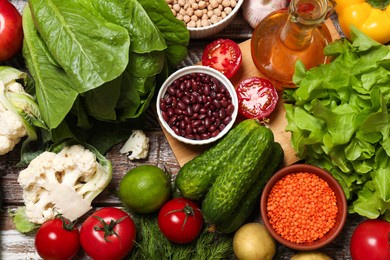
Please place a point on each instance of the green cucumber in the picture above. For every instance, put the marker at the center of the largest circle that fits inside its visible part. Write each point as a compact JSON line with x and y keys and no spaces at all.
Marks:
{"x":252,"y":199}
{"x":195,"y":178}
{"x":240,"y":174}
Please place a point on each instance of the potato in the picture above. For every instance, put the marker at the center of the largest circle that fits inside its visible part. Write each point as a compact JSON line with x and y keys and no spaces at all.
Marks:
{"x":310,"y":256}
{"x":252,"y":241}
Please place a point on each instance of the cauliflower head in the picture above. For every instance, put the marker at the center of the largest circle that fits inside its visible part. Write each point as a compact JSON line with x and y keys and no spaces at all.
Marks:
{"x":63,"y":183}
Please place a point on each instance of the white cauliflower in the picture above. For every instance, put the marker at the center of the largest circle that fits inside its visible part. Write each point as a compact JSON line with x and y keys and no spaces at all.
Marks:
{"x":137,"y":146}
{"x":63,"y":183}
{"x":18,"y":110}
{"x":12,"y":130}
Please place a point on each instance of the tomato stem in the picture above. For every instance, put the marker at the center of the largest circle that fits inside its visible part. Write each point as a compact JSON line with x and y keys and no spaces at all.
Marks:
{"x":66,"y":223}
{"x":108,"y":228}
{"x":188,"y":211}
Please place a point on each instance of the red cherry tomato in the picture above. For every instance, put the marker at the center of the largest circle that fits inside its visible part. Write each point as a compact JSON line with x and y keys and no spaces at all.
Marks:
{"x":11,"y":32}
{"x":180,"y":220}
{"x":371,"y":240}
{"x":257,"y":97}
{"x":109,"y":233}
{"x":223,"y":55}
{"x":57,"y":239}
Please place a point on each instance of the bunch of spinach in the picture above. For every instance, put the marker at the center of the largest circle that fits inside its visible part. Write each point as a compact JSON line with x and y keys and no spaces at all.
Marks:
{"x":339,"y":120}
{"x":96,"y":64}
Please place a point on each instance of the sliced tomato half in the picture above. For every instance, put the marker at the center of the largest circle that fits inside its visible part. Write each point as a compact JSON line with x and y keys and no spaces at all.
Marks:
{"x":257,"y":98}
{"x":223,"y":55}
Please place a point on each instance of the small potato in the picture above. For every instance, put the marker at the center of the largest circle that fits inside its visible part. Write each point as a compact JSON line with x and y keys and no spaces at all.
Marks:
{"x":310,"y":256}
{"x":252,"y":241}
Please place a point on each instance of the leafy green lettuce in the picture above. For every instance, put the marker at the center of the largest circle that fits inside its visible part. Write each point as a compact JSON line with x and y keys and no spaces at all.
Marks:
{"x":339,"y":120}
{"x":96,"y":64}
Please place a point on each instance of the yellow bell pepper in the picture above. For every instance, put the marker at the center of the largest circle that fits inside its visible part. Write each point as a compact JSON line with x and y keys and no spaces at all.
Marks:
{"x":371,"y":19}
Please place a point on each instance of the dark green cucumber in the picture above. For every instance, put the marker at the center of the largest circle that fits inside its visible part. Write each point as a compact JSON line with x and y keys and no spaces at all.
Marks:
{"x":231,"y":186}
{"x":252,"y":199}
{"x":196,"y":176}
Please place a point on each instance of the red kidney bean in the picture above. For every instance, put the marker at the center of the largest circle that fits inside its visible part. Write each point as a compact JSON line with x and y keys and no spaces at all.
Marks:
{"x":230,"y":109}
{"x":197,"y":106}
{"x":222,"y":113}
{"x":215,"y":133}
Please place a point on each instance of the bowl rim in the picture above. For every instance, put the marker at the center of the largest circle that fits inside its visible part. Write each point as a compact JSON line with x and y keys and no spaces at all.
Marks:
{"x":197,"y":69}
{"x":333,"y":184}
{"x":228,"y":17}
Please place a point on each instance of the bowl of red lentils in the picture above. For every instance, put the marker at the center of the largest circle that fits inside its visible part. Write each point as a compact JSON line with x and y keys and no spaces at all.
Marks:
{"x":197,"y":105}
{"x":303,"y":207}
{"x":205,"y":18}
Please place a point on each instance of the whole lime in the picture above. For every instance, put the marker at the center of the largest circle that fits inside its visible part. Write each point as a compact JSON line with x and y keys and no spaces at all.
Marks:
{"x":145,"y":188}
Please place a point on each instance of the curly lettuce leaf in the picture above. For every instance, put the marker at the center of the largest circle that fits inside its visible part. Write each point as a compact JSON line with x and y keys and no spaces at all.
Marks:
{"x":339,"y":118}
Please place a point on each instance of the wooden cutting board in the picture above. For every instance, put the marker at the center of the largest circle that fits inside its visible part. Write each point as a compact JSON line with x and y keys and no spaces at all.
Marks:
{"x":184,"y":152}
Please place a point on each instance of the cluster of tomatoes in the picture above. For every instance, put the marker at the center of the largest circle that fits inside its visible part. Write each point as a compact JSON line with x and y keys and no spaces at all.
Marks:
{"x":257,"y":96}
{"x":110,"y":233}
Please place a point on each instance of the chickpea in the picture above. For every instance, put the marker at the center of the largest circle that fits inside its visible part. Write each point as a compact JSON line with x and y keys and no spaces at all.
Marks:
{"x":202,"y":4}
{"x":195,"y":6}
{"x":214,"y":19}
{"x":210,"y":14}
{"x":180,"y":17}
{"x":194,"y":18}
{"x":198,"y":13}
{"x":205,"y":23}
{"x":233,"y":3}
{"x":214,"y":4}
{"x":190,"y":12}
{"x":217,"y":12}
{"x":176,"y":7}
{"x":226,"y":3}
{"x":181,"y":2}
{"x":186,"y":19}
{"x":228,"y":10}
{"x":169,"y":1}
{"x":191,"y":24}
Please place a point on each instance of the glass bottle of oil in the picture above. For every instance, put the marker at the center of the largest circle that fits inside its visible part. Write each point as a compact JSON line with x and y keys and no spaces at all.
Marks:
{"x":291,"y":34}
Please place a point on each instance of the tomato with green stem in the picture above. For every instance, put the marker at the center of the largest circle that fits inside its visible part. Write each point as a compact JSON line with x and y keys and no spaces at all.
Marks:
{"x":180,"y":220}
{"x":109,"y":233}
{"x":57,"y":239}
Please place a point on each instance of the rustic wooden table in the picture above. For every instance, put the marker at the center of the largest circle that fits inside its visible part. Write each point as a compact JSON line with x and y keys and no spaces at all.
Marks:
{"x":14,"y":245}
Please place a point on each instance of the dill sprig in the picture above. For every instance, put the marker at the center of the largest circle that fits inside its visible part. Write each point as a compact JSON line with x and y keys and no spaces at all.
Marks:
{"x":151,"y":244}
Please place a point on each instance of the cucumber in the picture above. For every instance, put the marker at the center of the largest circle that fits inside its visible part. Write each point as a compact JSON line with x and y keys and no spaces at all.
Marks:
{"x":195,"y":178}
{"x":252,"y":199}
{"x":240,"y":174}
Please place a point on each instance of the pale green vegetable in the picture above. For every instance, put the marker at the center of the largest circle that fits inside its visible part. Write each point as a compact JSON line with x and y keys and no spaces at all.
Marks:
{"x":339,"y":119}
{"x":310,"y":256}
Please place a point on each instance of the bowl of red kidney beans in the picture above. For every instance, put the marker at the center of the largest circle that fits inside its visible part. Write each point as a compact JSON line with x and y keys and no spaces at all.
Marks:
{"x":197,"y":105}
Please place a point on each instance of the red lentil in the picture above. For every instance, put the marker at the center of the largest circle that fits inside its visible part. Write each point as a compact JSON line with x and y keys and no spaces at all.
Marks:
{"x":301,"y":207}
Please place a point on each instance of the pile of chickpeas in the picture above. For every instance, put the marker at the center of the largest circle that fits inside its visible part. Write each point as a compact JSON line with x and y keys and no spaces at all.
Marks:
{"x":201,"y":13}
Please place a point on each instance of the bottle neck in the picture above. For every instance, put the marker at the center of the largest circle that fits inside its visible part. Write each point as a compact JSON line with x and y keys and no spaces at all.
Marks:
{"x":304,"y":16}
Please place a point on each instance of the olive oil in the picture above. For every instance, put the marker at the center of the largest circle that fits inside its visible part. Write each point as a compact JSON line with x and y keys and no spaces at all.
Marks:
{"x":288,"y":35}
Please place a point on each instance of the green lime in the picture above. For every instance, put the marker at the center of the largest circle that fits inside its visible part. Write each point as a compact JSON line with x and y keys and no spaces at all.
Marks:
{"x":145,"y":188}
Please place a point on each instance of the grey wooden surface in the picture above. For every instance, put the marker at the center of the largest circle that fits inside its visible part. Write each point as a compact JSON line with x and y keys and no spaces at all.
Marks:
{"x":14,"y":245}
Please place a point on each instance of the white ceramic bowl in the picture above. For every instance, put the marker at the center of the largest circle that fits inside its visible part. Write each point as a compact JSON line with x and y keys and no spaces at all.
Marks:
{"x":203,"y":32}
{"x":197,"y":69}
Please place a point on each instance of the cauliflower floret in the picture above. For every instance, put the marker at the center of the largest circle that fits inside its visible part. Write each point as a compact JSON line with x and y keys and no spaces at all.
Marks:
{"x":137,"y":146}
{"x":12,"y":130}
{"x":64,"y":183}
